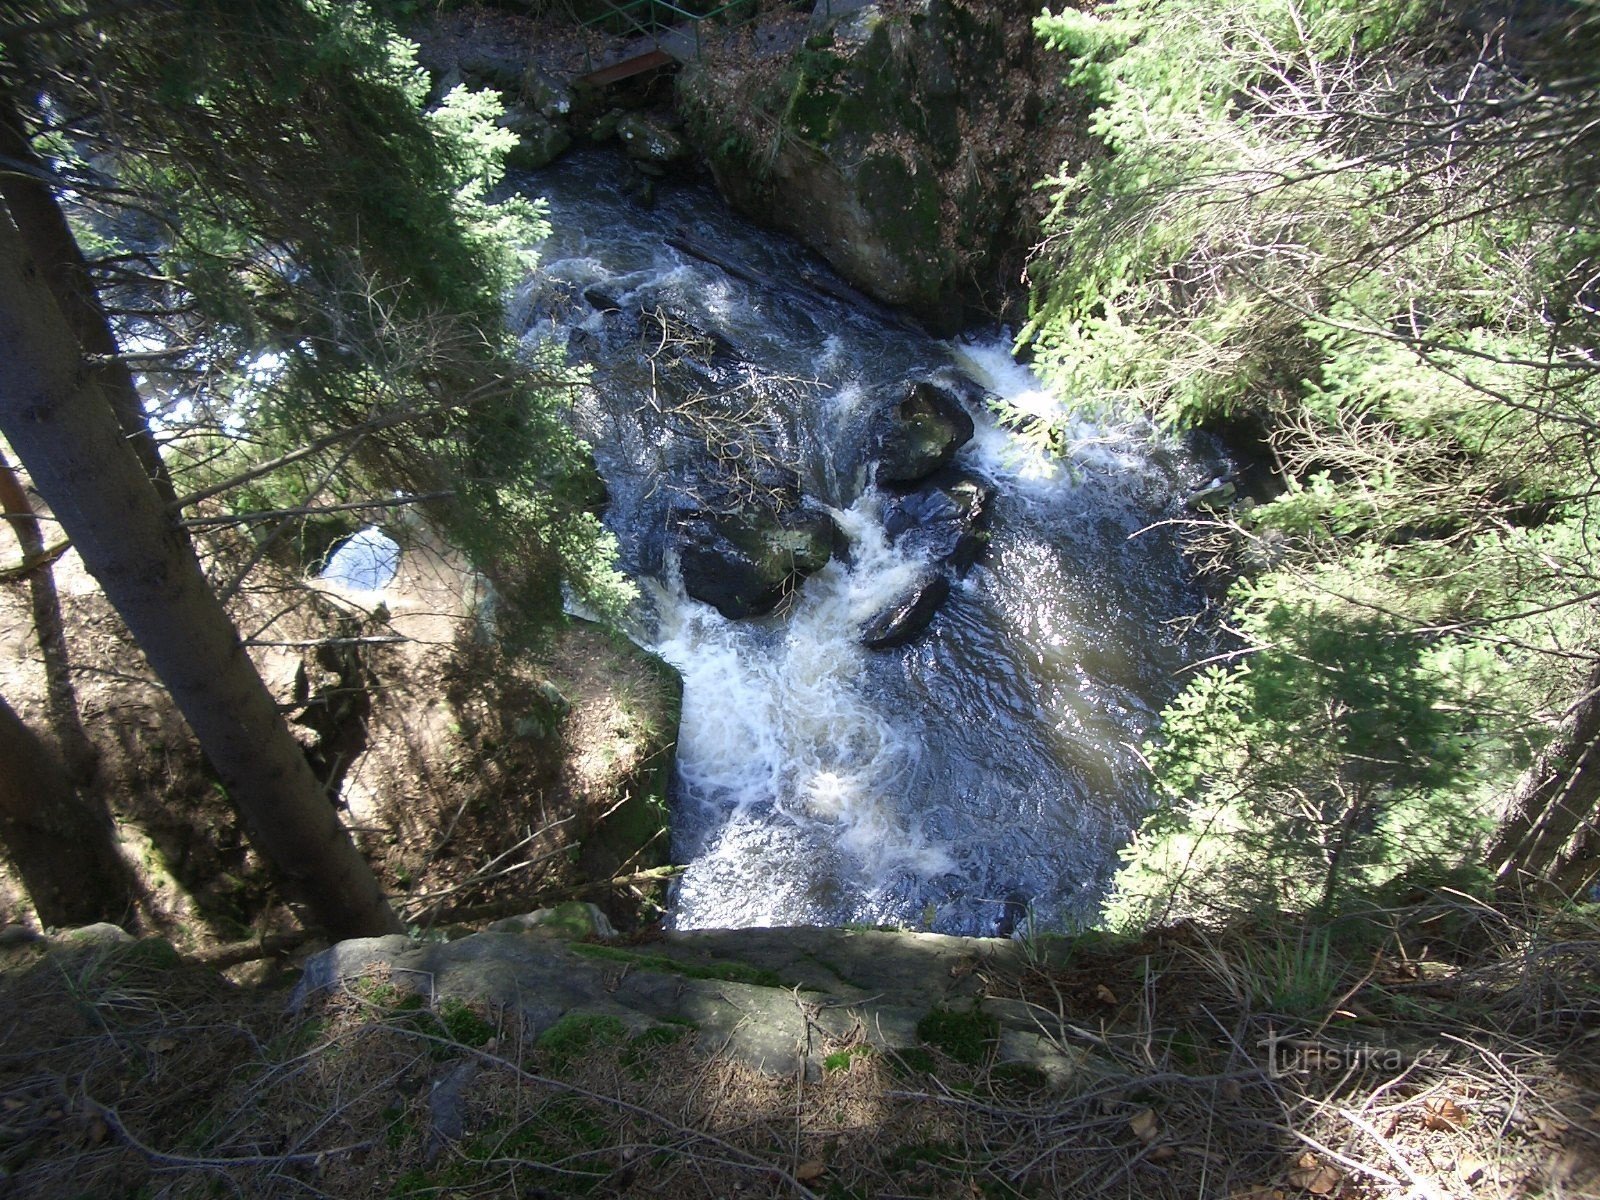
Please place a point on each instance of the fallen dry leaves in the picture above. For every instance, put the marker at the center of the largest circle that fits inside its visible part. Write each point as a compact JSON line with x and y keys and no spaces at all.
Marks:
{"x":1312,"y":1175}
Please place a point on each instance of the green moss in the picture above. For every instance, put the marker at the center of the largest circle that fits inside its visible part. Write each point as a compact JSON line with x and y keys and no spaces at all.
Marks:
{"x":463,"y":1023}
{"x":840,"y":1060}
{"x":905,"y":210}
{"x":964,"y":1036}
{"x":813,"y":97}
{"x":731,"y":972}
{"x":577,"y":1034}
{"x":386,"y":996}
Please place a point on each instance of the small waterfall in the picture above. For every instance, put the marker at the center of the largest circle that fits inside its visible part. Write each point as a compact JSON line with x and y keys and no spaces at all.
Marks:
{"x":987,"y":768}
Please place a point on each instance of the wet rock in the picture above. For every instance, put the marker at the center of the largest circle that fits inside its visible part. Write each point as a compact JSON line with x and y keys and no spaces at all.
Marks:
{"x":541,"y":141}
{"x":604,"y":127}
{"x":546,"y":93}
{"x":744,"y":563}
{"x":1217,"y":494}
{"x":920,"y":433}
{"x":643,"y":192}
{"x":582,"y":346}
{"x":909,"y":614}
{"x":947,"y":519}
{"x":886,"y":143}
{"x":601,"y":299}
{"x":647,"y":140}
{"x":499,"y":67}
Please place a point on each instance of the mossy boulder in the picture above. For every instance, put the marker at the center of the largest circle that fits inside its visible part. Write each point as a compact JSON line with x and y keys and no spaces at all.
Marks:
{"x":540,"y":140}
{"x":744,"y":562}
{"x":918,"y":432}
{"x":649,"y":141}
{"x":877,"y":144}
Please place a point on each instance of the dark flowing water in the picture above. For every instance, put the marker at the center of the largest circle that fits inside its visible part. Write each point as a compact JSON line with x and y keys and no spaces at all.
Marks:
{"x":986,"y":770}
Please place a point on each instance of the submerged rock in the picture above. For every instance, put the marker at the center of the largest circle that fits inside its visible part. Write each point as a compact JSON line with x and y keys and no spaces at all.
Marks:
{"x":744,"y":563}
{"x":914,"y":437}
{"x":909,"y":614}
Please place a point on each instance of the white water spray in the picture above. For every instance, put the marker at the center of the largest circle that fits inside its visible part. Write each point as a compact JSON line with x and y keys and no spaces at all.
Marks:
{"x":774,"y":718}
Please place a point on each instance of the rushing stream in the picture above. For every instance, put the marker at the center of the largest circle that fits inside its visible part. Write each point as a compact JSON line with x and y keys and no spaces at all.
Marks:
{"x":986,"y":772}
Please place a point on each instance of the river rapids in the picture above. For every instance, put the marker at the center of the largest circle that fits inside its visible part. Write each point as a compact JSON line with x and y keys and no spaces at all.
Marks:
{"x":978,"y":780}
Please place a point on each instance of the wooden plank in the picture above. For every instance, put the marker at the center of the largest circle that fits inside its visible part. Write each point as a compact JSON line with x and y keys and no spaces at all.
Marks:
{"x":626,"y":69}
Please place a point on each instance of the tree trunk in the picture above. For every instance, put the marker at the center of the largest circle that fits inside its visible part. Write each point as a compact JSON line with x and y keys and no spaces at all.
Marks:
{"x":76,"y":748}
{"x":55,"y":413}
{"x":1553,"y":810}
{"x":63,"y":847}
{"x":44,"y":228}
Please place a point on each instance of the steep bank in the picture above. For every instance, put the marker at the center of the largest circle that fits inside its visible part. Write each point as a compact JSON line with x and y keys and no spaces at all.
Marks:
{"x":899,"y":140}
{"x":475,"y":778}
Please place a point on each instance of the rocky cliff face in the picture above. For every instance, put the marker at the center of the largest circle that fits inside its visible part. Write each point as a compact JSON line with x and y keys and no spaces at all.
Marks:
{"x":900,"y":140}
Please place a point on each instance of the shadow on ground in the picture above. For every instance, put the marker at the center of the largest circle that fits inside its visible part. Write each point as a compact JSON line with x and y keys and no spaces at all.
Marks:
{"x":1449,"y":1054}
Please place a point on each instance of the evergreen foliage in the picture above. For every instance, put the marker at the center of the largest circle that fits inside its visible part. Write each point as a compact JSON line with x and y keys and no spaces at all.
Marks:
{"x":1370,"y":231}
{"x":273,"y":197}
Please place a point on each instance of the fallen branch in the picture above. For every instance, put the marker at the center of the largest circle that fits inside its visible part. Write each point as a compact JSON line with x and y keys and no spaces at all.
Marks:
{"x":33,"y":562}
{"x":114,"y":1123}
{"x":511,"y":908}
{"x":270,"y":514}
{"x":273,"y":946}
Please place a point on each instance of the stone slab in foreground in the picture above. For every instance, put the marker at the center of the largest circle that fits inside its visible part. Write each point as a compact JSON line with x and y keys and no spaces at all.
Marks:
{"x":772,"y":998}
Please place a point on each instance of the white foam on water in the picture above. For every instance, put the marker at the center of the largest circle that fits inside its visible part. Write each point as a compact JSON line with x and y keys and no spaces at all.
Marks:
{"x":1002,"y":447}
{"x":834,"y":356}
{"x":773,"y":716}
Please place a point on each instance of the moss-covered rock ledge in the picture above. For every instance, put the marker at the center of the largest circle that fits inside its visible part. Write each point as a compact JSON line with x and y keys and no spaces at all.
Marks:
{"x":901,"y":140}
{"x":772,"y":998}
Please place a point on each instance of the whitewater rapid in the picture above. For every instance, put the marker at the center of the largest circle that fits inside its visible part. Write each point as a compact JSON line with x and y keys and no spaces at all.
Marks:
{"x":989,"y":768}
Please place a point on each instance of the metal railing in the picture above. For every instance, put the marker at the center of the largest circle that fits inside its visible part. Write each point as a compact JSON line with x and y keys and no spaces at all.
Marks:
{"x":661,"y":17}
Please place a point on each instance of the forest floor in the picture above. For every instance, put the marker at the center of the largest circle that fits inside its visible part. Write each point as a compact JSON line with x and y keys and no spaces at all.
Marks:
{"x":1440,"y":1051}
{"x":472,"y":777}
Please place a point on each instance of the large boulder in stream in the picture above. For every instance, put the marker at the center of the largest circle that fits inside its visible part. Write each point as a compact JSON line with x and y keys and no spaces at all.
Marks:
{"x":947,"y":519}
{"x":744,"y":563}
{"x":650,"y":142}
{"x":540,"y":139}
{"x":908,"y":614}
{"x":901,"y":142}
{"x":919,"y":433}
